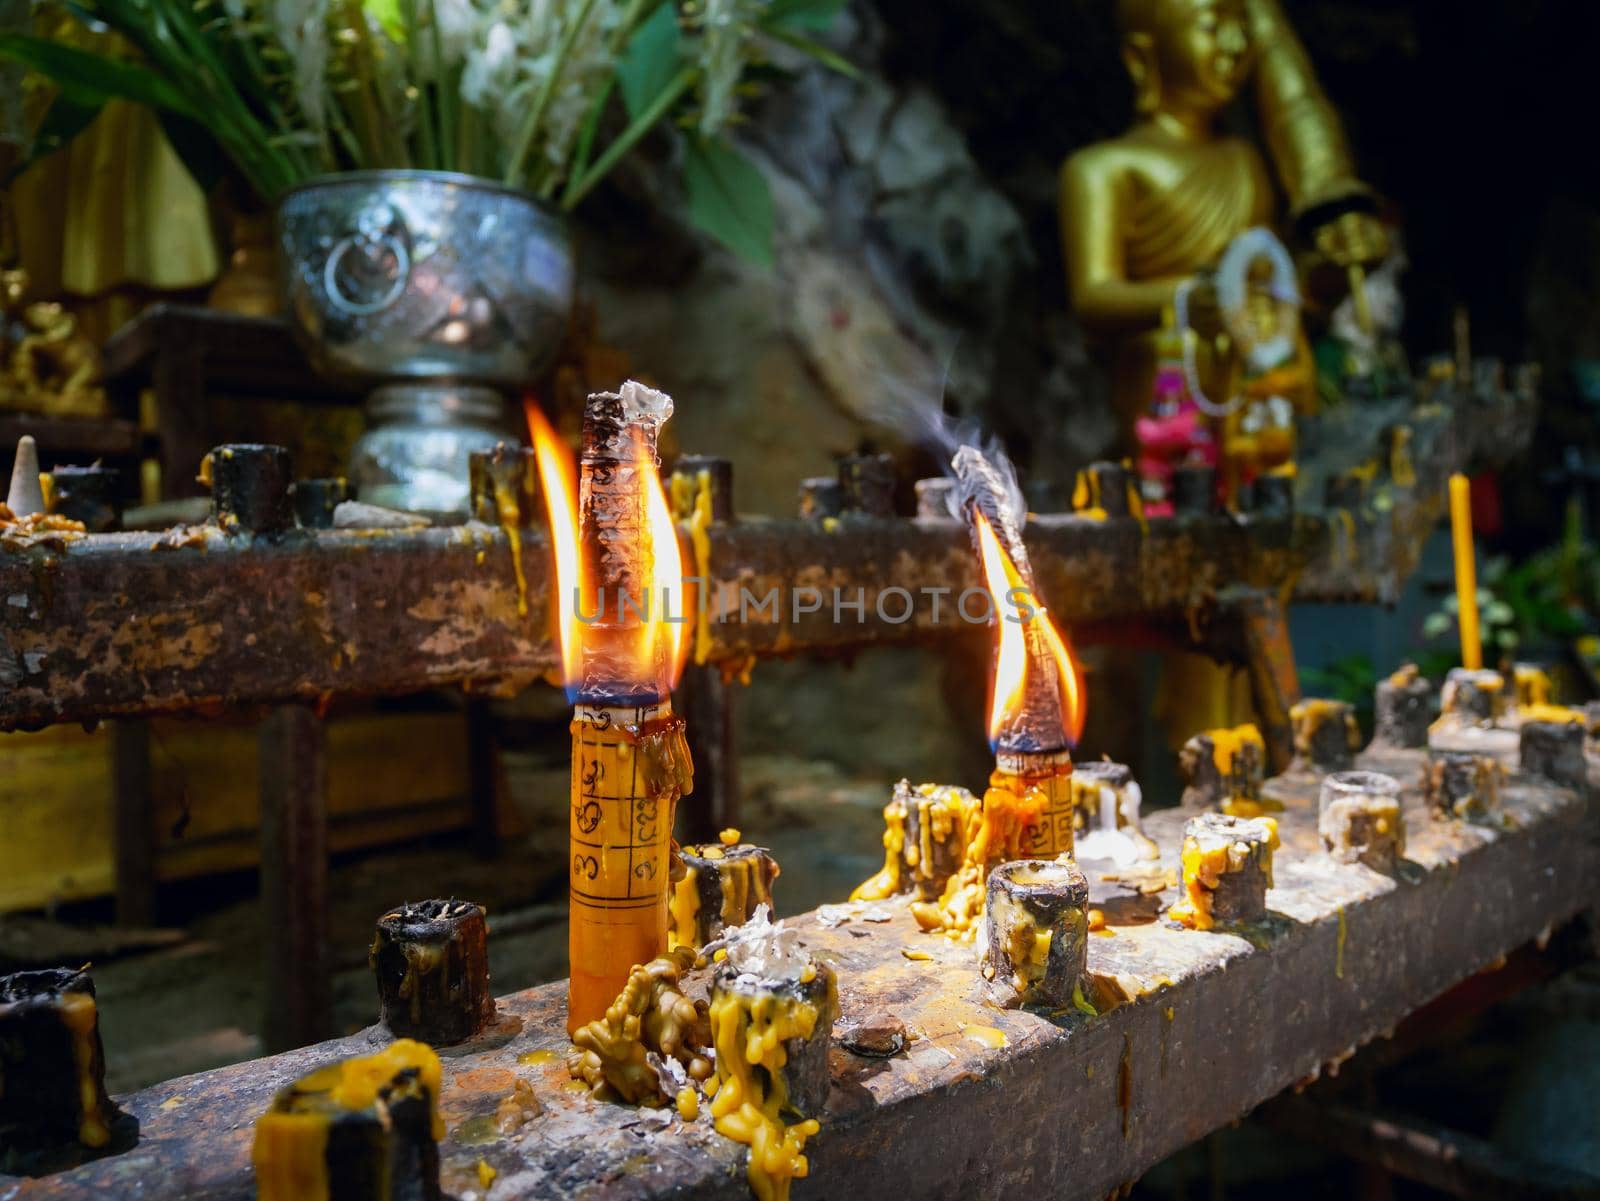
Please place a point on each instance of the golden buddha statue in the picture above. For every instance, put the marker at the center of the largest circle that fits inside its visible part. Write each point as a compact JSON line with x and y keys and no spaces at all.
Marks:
{"x":1154,"y":209}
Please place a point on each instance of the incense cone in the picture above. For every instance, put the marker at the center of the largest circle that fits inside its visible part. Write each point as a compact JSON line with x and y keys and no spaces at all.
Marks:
{"x":26,"y":496}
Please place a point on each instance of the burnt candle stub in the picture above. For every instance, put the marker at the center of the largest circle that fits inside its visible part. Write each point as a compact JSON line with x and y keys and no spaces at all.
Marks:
{"x":1035,"y":941}
{"x":1554,"y":749}
{"x":503,"y":484}
{"x":780,"y":990}
{"x":1326,"y":736}
{"x":696,"y":475}
{"x":316,"y":500}
{"x":821,"y":496}
{"x":360,"y":1130}
{"x":1461,"y":784}
{"x":1103,"y":489}
{"x":1106,"y":802}
{"x":1225,"y":768}
{"x":53,"y":1101}
{"x":868,"y":484}
{"x":249,"y":487}
{"x":1474,"y":697}
{"x":720,"y":888}
{"x":89,"y":495}
{"x":1227,"y":869}
{"x":1359,"y":818}
{"x":926,"y":829}
{"x":431,"y":962}
{"x":1273,"y":496}
{"x":1194,"y":488}
{"x":936,"y":497}
{"x":1403,"y":709}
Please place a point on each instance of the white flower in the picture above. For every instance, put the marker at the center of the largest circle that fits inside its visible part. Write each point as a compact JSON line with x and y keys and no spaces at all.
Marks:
{"x":490,"y":68}
{"x":301,"y":27}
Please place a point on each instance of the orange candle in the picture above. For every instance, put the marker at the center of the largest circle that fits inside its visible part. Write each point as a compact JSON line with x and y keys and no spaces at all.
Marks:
{"x":630,"y":765}
{"x":1466,"y":572}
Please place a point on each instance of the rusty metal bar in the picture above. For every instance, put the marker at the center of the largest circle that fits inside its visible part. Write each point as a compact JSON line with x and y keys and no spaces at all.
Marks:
{"x":192,"y":620}
{"x":294,"y":878}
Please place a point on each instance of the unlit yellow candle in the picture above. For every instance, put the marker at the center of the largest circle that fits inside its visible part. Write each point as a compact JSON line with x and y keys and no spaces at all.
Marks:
{"x":1466,"y":571}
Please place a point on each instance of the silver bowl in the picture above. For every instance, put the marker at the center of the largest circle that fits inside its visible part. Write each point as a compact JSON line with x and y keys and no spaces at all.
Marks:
{"x":424,"y":275}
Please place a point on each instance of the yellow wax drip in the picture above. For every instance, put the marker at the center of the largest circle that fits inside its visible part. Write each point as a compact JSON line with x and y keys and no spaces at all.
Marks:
{"x":79,"y":1013}
{"x":887,"y":882}
{"x":1012,"y":807}
{"x":685,"y":909}
{"x":748,"y":1105}
{"x":1554,"y":713}
{"x":1534,"y":688}
{"x":510,"y":514}
{"x":651,"y":1014}
{"x":1086,"y":496}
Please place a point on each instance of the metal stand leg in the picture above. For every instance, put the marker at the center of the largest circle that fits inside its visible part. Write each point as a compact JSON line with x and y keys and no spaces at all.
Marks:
{"x":483,"y":778}
{"x":707,"y":705}
{"x":1274,"y":685}
{"x":294,"y":879}
{"x":133,"y":822}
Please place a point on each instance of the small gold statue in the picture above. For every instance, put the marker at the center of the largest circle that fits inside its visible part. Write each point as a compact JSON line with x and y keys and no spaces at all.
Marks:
{"x":50,"y":365}
{"x":1152,"y":210}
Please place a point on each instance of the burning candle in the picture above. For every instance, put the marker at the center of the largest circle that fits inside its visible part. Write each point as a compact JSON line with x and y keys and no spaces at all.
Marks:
{"x":619,"y":573}
{"x":1035,"y":711}
{"x":1466,"y":571}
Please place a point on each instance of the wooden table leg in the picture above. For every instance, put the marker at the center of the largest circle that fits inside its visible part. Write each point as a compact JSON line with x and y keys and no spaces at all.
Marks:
{"x":294,"y":879}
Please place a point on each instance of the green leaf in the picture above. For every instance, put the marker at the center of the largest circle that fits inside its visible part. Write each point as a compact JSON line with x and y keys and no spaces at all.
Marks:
{"x":816,"y":50}
{"x":802,"y":14}
{"x":1436,"y":624}
{"x":651,"y":60}
{"x":729,"y":198}
{"x":64,"y":120}
{"x":197,"y":149}
{"x":89,"y":80}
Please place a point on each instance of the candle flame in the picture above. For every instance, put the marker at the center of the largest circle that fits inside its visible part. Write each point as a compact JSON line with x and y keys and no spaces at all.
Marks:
{"x":658,"y":646}
{"x":666,"y":641}
{"x":1013,"y":662}
{"x":558,"y":478}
